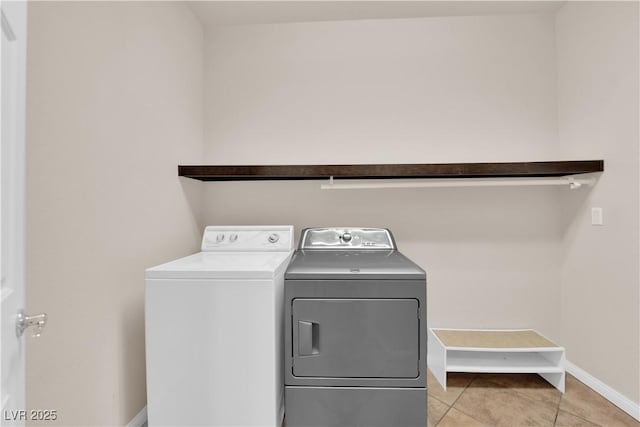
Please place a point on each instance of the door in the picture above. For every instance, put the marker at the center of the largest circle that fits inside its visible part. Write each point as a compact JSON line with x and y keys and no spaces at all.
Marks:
{"x":356,"y":338}
{"x":12,"y":182}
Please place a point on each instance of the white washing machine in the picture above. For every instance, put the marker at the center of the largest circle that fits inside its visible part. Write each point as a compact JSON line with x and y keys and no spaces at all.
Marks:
{"x":214,"y":322}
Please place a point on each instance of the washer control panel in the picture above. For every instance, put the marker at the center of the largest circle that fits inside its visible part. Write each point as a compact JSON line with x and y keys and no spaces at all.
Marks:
{"x":247,"y":238}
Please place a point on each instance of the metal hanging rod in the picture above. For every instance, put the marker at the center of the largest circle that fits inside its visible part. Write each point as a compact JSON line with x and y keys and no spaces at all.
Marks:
{"x":572,"y":182}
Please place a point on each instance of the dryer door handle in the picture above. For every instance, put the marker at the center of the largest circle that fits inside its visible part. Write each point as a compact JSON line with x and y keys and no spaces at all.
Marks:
{"x":308,"y":338}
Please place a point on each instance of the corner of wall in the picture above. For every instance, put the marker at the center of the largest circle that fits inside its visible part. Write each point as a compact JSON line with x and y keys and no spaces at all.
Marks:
{"x":598,"y":98}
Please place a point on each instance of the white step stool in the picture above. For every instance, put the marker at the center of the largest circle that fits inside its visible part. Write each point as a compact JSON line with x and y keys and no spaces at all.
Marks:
{"x":494,"y":351}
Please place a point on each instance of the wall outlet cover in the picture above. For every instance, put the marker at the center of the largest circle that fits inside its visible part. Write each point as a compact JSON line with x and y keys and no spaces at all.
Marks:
{"x":596,"y":216}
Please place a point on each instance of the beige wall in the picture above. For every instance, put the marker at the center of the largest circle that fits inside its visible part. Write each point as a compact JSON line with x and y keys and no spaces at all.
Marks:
{"x":598,"y":97}
{"x":403,"y":90}
{"x":415,"y":90}
{"x":114,"y":104}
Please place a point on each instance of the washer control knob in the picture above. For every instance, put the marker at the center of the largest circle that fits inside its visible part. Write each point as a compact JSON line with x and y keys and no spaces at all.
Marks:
{"x":273,"y":238}
{"x":219,"y":238}
{"x":346,"y":237}
{"x":233,"y":237}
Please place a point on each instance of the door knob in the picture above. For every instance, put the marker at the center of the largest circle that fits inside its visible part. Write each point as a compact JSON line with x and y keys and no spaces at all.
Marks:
{"x":23,"y":322}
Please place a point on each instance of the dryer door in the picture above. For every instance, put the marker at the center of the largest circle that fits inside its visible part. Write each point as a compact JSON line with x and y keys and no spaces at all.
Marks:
{"x":355,"y":338}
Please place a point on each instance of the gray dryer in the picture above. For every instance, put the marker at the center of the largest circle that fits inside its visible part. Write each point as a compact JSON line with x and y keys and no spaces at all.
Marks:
{"x":355,"y":337}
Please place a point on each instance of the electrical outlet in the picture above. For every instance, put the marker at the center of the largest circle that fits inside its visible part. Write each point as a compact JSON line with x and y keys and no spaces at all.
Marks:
{"x":596,"y":216}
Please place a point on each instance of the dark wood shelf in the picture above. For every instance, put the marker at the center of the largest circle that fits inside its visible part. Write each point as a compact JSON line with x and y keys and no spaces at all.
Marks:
{"x":390,"y":171}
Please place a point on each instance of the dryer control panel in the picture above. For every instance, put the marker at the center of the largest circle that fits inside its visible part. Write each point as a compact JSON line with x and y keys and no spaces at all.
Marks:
{"x":344,"y":238}
{"x":277,"y":238}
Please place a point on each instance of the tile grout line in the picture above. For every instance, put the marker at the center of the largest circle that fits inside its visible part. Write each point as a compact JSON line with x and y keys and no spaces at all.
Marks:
{"x":442,"y":418}
{"x":558,"y":410}
{"x":578,"y":416}
{"x":444,"y":403}
{"x":510,"y":390}
{"x":439,"y":400}
{"x":458,"y":398}
{"x":555,"y":420}
{"x":454,"y":402}
{"x":533,"y":398}
{"x":524,"y":395}
{"x":465,"y":389}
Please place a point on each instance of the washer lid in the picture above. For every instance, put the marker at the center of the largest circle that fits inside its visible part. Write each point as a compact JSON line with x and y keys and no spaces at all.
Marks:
{"x":222,"y":265}
{"x":352,"y":265}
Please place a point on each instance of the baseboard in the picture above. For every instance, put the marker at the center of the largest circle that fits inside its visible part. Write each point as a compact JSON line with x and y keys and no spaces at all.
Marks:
{"x":140,"y":419}
{"x":621,"y":401}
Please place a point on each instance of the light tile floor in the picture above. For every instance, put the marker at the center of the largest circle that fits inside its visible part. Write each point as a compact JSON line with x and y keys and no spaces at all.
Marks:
{"x":518,"y":400}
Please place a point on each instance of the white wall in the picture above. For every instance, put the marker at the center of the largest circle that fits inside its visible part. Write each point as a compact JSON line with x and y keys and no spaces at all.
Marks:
{"x":598,"y":117}
{"x":415,"y":90}
{"x":114,"y":104}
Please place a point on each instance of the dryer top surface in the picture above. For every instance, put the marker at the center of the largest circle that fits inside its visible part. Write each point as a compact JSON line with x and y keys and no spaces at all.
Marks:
{"x":352,"y":265}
